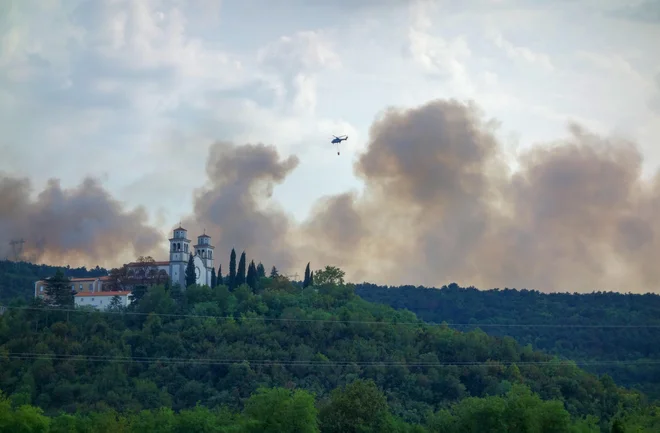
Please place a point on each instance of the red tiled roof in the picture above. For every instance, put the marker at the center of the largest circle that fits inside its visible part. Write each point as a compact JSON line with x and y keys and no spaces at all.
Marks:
{"x":136,"y":264}
{"x":75,"y":280}
{"x":89,"y":294}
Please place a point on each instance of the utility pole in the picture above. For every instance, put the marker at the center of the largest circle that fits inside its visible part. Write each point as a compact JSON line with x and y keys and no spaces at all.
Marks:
{"x":17,"y":248}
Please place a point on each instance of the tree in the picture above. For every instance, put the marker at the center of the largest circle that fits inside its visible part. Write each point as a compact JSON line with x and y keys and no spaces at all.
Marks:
{"x":252,"y":276}
{"x":214,"y":280}
{"x":617,"y":426}
{"x":115,"y":304}
{"x":117,"y":280}
{"x":219,"y":280}
{"x":261,"y":271}
{"x":59,"y":291}
{"x":307,"y":276}
{"x":311,"y":278}
{"x":274,"y":273}
{"x":329,"y":275}
{"x":138,"y":293}
{"x":145,"y":270}
{"x":357,"y":407}
{"x":240,"y":274}
{"x":232,"y":270}
{"x":280,"y":410}
{"x":191,"y":275}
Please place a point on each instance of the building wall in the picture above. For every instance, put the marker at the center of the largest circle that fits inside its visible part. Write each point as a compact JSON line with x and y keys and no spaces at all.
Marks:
{"x":101,"y":301}
{"x":80,"y":285}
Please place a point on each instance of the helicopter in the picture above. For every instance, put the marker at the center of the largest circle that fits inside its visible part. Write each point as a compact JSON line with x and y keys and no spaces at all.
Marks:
{"x":338,"y":140}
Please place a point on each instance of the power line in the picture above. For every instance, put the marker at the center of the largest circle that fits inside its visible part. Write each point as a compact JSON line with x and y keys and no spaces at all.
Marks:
{"x":370,"y":322}
{"x":266,"y":362}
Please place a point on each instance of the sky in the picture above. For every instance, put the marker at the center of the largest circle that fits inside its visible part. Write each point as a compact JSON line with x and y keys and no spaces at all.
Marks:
{"x":122,"y":118}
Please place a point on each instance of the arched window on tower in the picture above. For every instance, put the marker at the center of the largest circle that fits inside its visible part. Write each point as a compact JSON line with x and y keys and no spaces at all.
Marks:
{"x":185,"y":248}
{"x":210,"y":254}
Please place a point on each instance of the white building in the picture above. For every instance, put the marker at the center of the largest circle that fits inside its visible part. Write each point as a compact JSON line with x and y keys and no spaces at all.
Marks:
{"x":101,"y":300}
{"x":180,"y":253}
{"x":79,"y":285}
{"x":175,"y":268}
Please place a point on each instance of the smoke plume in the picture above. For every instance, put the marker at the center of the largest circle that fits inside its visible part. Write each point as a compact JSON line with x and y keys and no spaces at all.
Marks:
{"x":77,"y":226}
{"x":441,"y":205}
{"x":232,"y":206}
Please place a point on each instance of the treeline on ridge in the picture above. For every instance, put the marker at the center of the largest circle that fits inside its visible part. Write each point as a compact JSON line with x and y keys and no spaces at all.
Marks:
{"x":613,"y":333}
{"x":176,"y":348}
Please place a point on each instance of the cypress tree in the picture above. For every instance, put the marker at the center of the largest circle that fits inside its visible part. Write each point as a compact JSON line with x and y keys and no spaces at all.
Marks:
{"x":307,"y":274}
{"x":214,"y":280}
{"x":252,"y":276}
{"x":59,"y":291}
{"x":240,"y":274}
{"x":232,"y":270}
{"x":311,"y":278}
{"x":261,"y":271}
{"x":191,"y":276}
{"x":219,"y":279}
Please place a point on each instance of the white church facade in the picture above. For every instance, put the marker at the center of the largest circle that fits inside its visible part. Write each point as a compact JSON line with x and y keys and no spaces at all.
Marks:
{"x":180,"y":252}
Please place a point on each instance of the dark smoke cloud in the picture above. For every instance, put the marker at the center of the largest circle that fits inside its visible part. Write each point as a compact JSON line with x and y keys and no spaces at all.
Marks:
{"x":231,"y":207}
{"x":78,"y":226}
{"x":441,"y":205}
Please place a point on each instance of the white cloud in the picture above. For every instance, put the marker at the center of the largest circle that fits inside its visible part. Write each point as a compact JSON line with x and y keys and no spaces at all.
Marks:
{"x":520,"y":53}
{"x":137,"y":90}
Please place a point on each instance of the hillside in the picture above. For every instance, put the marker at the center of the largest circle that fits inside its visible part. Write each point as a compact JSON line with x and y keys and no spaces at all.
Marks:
{"x":158,"y":354}
{"x":17,"y":278}
{"x":595,"y":328}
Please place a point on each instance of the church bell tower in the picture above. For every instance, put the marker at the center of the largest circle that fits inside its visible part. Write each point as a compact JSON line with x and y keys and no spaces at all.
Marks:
{"x":204,"y":250}
{"x":179,"y":256}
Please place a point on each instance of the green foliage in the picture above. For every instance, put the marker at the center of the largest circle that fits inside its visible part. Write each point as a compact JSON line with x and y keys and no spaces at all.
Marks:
{"x":232,"y":270}
{"x":274,"y":273}
{"x":280,"y":410}
{"x":306,"y":281}
{"x":261,"y":271}
{"x":329,"y":275}
{"x":214,"y":278}
{"x":358,"y":407}
{"x":252,"y":276}
{"x":240,"y":273}
{"x":191,"y":275}
{"x":588,"y":330}
{"x":58,"y":291}
{"x":220,"y":281}
{"x":256,"y":360}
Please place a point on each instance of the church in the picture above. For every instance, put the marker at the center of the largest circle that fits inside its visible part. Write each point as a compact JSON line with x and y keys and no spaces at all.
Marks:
{"x":180,"y":252}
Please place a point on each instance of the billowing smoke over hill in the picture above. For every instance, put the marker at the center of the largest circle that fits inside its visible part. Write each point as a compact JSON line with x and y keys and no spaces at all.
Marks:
{"x":80,"y":225}
{"x":230,"y":208}
{"x":439,"y":205}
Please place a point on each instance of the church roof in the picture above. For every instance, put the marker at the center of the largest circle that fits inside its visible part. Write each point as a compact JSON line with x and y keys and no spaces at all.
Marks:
{"x":137,"y":264}
{"x":204,"y":236}
{"x":180,"y":228}
{"x":100,"y":294}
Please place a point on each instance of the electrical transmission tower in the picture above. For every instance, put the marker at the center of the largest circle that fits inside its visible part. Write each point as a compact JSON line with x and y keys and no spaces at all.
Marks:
{"x":17,"y":249}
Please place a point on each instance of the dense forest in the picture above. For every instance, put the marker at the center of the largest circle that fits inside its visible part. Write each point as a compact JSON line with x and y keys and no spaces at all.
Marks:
{"x":226,"y":356}
{"x":601,"y":330}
